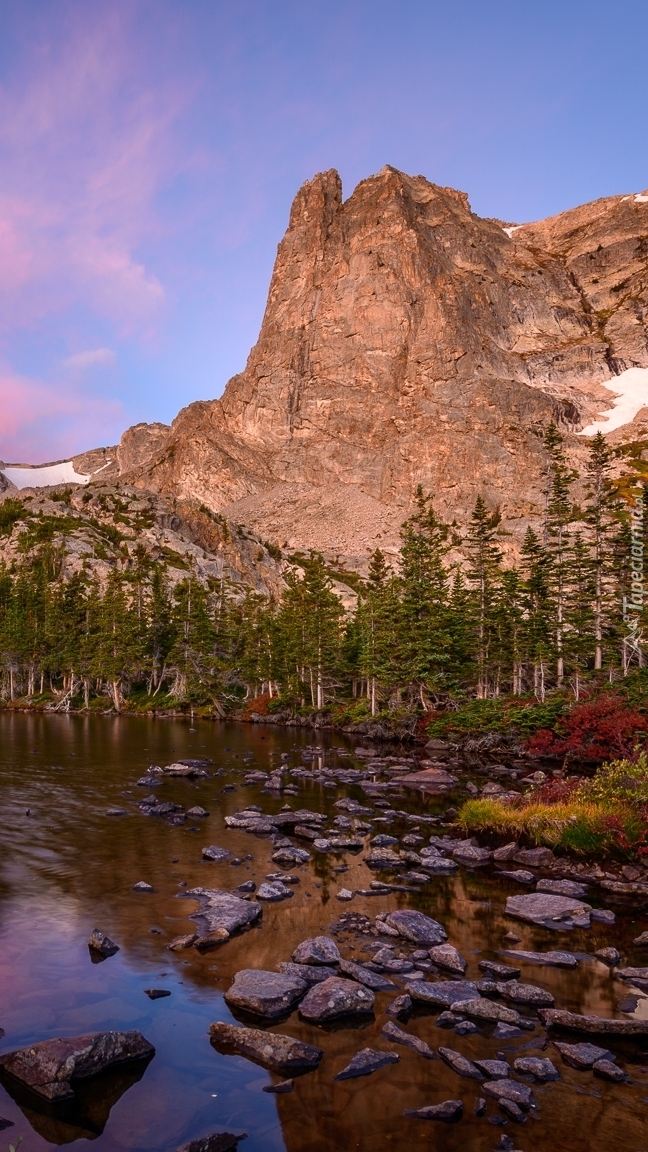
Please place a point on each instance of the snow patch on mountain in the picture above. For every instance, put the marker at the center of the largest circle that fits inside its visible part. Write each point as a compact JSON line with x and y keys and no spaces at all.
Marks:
{"x":45,"y":475}
{"x":630,"y":390}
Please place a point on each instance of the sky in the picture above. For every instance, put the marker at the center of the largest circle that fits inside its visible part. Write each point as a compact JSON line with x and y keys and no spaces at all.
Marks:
{"x":150,"y":151}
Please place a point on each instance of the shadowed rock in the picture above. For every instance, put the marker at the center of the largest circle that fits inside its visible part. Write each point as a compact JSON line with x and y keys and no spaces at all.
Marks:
{"x":335,"y":997}
{"x":594,"y":1025}
{"x":460,"y":1064}
{"x":101,"y":945}
{"x":366,"y":1061}
{"x":51,"y":1068}
{"x":262,"y":993}
{"x":449,"y":1111}
{"x":317,"y":950}
{"x":220,"y":909}
{"x":217,"y":1142}
{"x":445,"y":993}
{"x":392,"y":1032}
{"x":417,"y":927}
{"x":280,"y":1053}
{"x":365,"y":976}
{"x":310,"y":973}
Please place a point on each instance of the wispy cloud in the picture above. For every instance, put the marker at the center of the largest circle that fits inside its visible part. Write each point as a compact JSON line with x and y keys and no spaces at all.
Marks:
{"x":94,"y":357}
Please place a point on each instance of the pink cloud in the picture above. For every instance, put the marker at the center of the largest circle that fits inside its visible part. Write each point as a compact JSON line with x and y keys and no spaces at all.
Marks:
{"x":40,"y":422}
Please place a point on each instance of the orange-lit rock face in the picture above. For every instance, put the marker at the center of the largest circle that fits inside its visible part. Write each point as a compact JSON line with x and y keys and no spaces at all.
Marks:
{"x":408,"y":341}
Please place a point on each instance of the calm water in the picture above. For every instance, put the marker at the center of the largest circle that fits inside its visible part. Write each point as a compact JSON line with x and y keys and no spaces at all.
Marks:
{"x":69,"y":867}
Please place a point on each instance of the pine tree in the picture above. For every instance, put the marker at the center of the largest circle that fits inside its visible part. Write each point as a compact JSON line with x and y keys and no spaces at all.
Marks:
{"x":536,"y":636}
{"x":558,"y":516}
{"x":484,"y":574}
{"x":601,"y":517}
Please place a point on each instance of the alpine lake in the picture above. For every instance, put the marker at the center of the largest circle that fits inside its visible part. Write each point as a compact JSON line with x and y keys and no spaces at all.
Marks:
{"x":67,"y":866}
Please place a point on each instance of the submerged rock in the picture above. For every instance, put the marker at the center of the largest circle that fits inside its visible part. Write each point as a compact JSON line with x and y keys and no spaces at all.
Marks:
{"x":267,"y":994}
{"x":280,"y":1053}
{"x":392,"y":1032}
{"x":335,"y":997}
{"x":51,"y":1068}
{"x":366,"y":1061}
{"x":449,"y":1111}
{"x":459,"y":1064}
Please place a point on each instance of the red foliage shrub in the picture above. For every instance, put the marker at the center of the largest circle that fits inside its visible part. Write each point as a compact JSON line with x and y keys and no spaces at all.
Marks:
{"x":616,"y":830}
{"x":556,"y":791}
{"x":258,"y":704}
{"x":600,"y":729}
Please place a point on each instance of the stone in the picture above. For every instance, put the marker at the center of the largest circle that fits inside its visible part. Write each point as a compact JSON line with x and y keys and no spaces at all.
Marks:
{"x":142,"y":886}
{"x":606,"y":1070}
{"x":400,"y":1007}
{"x":445,"y":956}
{"x":382,"y":840}
{"x":281,"y":1054}
{"x":344,"y":894}
{"x":392,"y":1032}
{"x":480,"y":1106}
{"x":449,"y":1111}
{"x":540,"y":1068}
{"x":486,"y":1010}
{"x":631,"y":974}
{"x":603,"y":915}
{"x":582,"y":1056}
{"x":281,"y":1088}
{"x":494,"y":1069}
{"x":519,"y":1094}
{"x":196,"y":813}
{"x":222,"y":909}
{"x":501,"y":971}
{"x":215,"y":853}
{"x":465,"y":1028}
{"x":335,"y":997}
{"x":310,"y":973}
{"x":443,"y":993}
{"x":547,"y":910}
{"x":519,"y":875}
{"x":288,"y":856}
{"x":511,"y":1109}
{"x":471,"y":855}
{"x":365,"y":976}
{"x":503,"y":1031}
{"x":317,"y":950}
{"x":562,"y":887}
{"x":551,"y":959}
{"x":439,"y":866}
{"x":211,"y":940}
{"x":52,"y":1068}
{"x":642,"y":940}
{"x":217,"y":1142}
{"x":593,"y":1025}
{"x":447,"y":1019}
{"x":436,"y":781}
{"x":273,"y":892}
{"x":182,"y":942}
{"x":526,"y":994}
{"x":156,"y":993}
{"x":609,"y":956}
{"x":101,"y":944}
{"x":506,"y":852}
{"x":460,"y":1064}
{"x":534,"y":857}
{"x":267,"y":994}
{"x":383,"y":858}
{"x":366,"y":1061}
{"x":416,"y":927}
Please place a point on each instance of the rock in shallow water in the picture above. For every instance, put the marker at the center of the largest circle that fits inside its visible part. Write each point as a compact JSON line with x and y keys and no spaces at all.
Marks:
{"x":549,"y":911}
{"x":519,"y":1094}
{"x":582,"y":1056}
{"x":366,"y":1061}
{"x":101,"y":944}
{"x":446,"y":956}
{"x":445,"y":993}
{"x":309,"y":973}
{"x":401,"y":1006}
{"x":397,"y":1035}
{"x":279,"y":1053}
{"x":449,"y":1111}
{"x":51,"y":1068}
{"x":417,"y":927}
{"x":525,"y":994}
{"x":479,"y":1009}
{"x":460,"y":1064}
{"x":365,"y":976}
{"x":217,"y":1142}
{"x":541,"y":1068}
{"x":593,"y":1025}
{"x":609,"y":1071}
{"x":222,"y":909}
{"x":551,"y":959}
{"x":335,"y":997}
{"x":216,"y":854}
{"x":317,"y":950}
{"x":267,"y":994}
{"x":494,"y":1069}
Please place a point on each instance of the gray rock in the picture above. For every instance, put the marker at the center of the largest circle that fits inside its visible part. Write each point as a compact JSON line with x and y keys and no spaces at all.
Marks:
{"x":494,"y":1069}
{"x":280,"y":1053}
{"x":562,"y":887}
{"x":603,"y":915}
{"x":267,"y":994}
{"x":417,"y":927}
{"x":465,"y":1028}
{"x":501,"y":971}
{"x":519,"y":1094}
{"x":445,"y":956}
{"x":217,"y":1142}
{"x":392,"y":1032}
{"x":487,"y":987}
{"x":52,"y":1068}
{"x":472,"y":856}
{"x":197,"y":813}
{"x":366,"y":1061}
{"x":439,"y":866}
{"x":592,"y":1025}
{"x":310,"y":973}
{"x":382,"y":840}
{"x":551,"y":959}
{"x":610,"y":956}
{"x":335,"y":997}
{"x":534,"y":857}
{"x":287,"y":856}
{"x":480,"y":1106}
{"x":344,"y":894}
{"x":519,"y":875}
{"x":273,"y":892}
{"x":548,"y":911}
{"x":609,"y":1071}
{"x":506,"y":852}
{"x":399,"y":1007}
{"x":142,"y":886}
{"x":317,"y":950}
{"x":631,"y":974}
{"x":101,"y":944}
{"x":460,"y":1064}
{"x":582,"y":1056}
{"x":503,"y":1031}
{"x":449,"y":1111}
{"x":479,"y":1009}
{"x":215,"y":853}
{"x":385,"y":858}
{"x":211,"y":940}
{"x":447,"y":1019}
{"x":182,"y":942}
{"x":641,"y":941}
{"x":156,"y":993}
{"x":221,"y":909}
{"x":365,"y":976}
{"x":445,"y":993}
{"x":525,"y":994}
{"x":512,"y":1110}
{"x":541,"y":1068}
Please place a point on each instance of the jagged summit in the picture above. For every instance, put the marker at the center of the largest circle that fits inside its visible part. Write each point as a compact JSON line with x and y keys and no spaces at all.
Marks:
{"x":407,"y":340}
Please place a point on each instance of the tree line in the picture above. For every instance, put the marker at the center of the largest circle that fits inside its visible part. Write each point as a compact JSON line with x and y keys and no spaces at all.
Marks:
{"x":423,"y":631}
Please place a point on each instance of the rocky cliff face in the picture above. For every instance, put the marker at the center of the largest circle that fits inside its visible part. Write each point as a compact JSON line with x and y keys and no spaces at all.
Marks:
{"x":407,"y":340}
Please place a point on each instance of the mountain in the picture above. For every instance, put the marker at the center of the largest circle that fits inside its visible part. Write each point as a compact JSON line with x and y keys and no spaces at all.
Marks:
{"x":407,"y":340}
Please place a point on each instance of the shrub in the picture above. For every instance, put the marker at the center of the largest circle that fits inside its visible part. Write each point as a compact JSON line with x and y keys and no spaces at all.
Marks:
{"x":596,"y":730}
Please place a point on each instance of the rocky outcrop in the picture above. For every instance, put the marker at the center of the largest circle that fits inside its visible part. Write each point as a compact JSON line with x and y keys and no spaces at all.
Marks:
{"x":51,"y":1068}
{"x":407,"y":340}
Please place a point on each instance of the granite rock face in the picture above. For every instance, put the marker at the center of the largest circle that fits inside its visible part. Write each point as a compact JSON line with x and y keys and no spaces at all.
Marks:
{"x":51,"y":1068}
{"x":408,"y":340}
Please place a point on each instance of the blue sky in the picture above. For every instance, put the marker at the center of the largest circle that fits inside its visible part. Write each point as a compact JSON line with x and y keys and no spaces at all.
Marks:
{"x":149,"y":153}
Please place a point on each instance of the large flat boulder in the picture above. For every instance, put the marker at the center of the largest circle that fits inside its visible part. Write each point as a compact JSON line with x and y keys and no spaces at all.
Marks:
{"x":335,"y":997}
{"x":591,"y":1025}
{"x":417,"y":927}
{"x":442,"y":993}
{"x":525,"y":994}
{"x":281,"y":1054}
{"x":549,"y":910}
{"x":222,"y":909}
{"x":51,"y":1068}
{"x":432,"y":780}
{"x":487,"y":1010}
{"x":267,"y":994}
